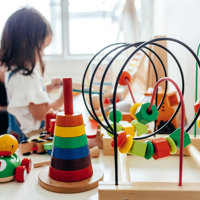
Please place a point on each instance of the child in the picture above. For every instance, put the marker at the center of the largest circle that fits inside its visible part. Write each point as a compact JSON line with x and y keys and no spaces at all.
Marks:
{"x":25,"y":36}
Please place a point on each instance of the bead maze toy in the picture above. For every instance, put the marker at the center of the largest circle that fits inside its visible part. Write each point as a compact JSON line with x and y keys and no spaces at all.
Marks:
{"x":11,"y":167}
{"x":70,"y":168}
{"x":144,"y":145}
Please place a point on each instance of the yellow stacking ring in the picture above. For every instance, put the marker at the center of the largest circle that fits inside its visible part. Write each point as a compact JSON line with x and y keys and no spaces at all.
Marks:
{"x":127,"y":145}
{"x":69,"y":131}
{"x":172,"y":144}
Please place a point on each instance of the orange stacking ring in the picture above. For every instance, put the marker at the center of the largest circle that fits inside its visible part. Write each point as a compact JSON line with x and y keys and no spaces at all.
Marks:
{"x":69,"y":131}
{"x":69,"y":176}
{"x":63,"y":120}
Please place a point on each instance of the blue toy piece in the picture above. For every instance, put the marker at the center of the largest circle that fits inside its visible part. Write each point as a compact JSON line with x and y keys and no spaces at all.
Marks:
{"x":70,"y":154}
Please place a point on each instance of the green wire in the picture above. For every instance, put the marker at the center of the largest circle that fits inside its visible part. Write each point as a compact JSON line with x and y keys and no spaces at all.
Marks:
{"x":196,"y":91}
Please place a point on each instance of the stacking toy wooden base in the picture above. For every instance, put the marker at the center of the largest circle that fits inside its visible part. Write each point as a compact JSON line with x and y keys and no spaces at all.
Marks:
{"x":70,"y":187}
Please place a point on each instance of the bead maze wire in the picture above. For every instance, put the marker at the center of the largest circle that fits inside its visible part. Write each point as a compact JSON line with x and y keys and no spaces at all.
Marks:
{"x":196,"y":90}
{"x":140,"y":46}
{"x":182,"y":121}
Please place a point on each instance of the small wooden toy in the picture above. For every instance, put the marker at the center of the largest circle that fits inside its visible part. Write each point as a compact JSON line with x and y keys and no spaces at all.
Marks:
{"x":11,"y":167}
{"x":35,"y":145}
{"x":70,"y":168}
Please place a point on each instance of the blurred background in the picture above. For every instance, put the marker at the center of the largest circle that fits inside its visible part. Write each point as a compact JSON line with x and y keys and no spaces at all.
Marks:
{"x":82,"y":28}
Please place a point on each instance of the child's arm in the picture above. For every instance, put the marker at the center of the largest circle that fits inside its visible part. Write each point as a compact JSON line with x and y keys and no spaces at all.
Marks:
{"x":39,"y":111}
{"x":55,"y":84}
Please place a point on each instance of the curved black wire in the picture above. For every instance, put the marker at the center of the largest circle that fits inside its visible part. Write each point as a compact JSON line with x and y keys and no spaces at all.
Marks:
{"x":115,"y":92}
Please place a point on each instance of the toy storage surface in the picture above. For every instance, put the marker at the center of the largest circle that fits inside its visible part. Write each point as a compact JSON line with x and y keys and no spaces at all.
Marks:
{"x":141,"y":170}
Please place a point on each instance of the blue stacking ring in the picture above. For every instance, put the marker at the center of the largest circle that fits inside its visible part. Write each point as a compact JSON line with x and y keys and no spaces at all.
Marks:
{"x":70,"y":154}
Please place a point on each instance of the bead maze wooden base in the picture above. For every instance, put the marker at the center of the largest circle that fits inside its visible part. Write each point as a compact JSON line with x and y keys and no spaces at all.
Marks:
{"x":70,"y":187}
{"x":148,"y":190}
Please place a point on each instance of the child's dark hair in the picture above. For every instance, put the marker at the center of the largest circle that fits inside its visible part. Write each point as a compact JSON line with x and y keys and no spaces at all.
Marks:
{"x":23,"y":35}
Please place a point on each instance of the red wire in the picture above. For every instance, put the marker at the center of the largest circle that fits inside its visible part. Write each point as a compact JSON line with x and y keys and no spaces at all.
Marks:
{"x":127,"y":82}
{"x":182,"y":121}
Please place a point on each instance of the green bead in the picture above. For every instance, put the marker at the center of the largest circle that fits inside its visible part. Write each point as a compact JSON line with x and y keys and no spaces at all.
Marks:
{"x":139,"y":127}
{"x":150,"y":150}
{"x":118,"y":116}
{"x":176,"y":137}
{"x":138,"y":148}
{"x":119,"y":128}
{"x":172,"y":144}
{"x":143,"y":116}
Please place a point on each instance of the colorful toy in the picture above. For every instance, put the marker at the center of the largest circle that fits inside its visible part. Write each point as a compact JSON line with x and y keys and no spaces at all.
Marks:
{"x":166,"y":110}
{"x":11,"y":167}
{"x":152,"y":147}
{"x":70,"y":168}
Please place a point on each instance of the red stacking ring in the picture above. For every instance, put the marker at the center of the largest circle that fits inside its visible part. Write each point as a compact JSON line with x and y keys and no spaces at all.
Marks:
{"x":70,"y":176}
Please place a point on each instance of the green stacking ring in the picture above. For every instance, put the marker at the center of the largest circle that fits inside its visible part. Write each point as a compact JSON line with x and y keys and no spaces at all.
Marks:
{"x":150,"y":150}
{"x":70,"y":142}
{"x":172,"y":144}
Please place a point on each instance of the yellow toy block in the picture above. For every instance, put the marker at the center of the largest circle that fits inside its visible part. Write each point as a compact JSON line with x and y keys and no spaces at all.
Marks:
{"x":128,"y":128}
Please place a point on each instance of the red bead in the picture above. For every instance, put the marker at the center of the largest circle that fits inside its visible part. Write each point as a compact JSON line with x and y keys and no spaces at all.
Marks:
{"x":162,"y":148}
{"x":121,"y":139}
{"x":124,"y":76}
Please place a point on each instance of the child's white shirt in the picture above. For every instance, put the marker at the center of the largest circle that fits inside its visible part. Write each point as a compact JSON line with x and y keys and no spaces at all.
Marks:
{"x":21,"y":91}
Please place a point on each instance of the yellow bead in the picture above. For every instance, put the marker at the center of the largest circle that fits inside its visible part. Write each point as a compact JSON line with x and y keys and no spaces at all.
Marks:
{"x":198,"y":122}
{"x":134,"y":108}
{"x":128,"y":128}
{"x":127,"y":145}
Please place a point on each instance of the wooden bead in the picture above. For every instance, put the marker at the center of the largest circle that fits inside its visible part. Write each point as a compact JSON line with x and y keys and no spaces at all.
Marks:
{"x":128,"y":128}
{"x":176,"y":137}
{"x":121,"y":139}
{"x":172,"y":144}
{"x":70,"y":165}
{"x":69,"y":131}
{"x":139,"y":127}
{"x":70,"y":176}
{"x":134,"y":108}
{"x":73,"y":120}
{"x":118,"y":116}
{"x":150,"y":150}
{"x":119,"y":128}
{"x":138,"y":148}
{"x":161,"y":147}
{"x":70,"y":154}
{"x":125,"y":75}
{"x":198,"y":122}
{"x":143,"y":116}
{"x":127,"y":145}
{"x":70,"y":142}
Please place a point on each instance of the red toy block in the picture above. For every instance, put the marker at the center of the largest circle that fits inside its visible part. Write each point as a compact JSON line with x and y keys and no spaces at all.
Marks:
{"x":162,"y":148}
{"x":196,"y":106}
{"x":48,"y":117}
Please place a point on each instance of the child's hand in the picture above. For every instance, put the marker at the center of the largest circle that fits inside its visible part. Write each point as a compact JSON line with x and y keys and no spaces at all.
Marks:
{"x":56,"y":83}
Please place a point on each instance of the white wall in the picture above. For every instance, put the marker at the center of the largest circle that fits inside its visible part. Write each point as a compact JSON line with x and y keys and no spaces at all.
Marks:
{"x":180,"y":19}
